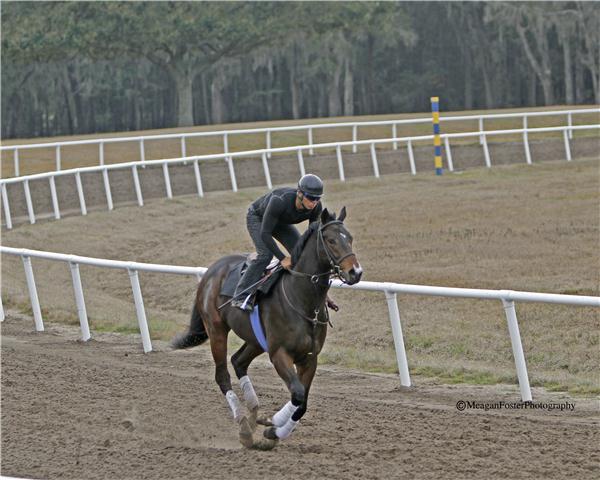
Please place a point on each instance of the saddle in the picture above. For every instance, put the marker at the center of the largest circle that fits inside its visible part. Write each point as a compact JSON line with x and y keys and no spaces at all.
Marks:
{"x":236,"y":272}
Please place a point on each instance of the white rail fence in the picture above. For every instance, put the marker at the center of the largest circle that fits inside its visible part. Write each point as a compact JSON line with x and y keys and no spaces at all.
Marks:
{"x":507,"y":297}
{"x":263,"y":154}
{"x":268,"y":132}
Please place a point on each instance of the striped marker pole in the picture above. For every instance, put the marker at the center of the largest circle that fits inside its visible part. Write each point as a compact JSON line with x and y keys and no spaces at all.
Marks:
{"x":437,"y":142}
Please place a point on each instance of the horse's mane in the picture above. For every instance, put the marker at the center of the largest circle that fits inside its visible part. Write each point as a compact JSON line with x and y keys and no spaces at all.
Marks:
{"x":301,"y":243}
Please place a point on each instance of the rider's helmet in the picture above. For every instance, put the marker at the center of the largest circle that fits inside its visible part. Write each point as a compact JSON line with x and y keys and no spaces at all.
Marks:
{"x":311,"y":186}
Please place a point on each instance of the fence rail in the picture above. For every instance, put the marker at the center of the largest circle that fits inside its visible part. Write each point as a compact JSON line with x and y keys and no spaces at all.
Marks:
{"x":263,"y":154}
{"x":390,"y":290}
{"x":269,"y":131}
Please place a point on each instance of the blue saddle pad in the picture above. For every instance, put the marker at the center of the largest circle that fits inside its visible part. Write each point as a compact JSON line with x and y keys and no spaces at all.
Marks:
{"x":257,"y":329}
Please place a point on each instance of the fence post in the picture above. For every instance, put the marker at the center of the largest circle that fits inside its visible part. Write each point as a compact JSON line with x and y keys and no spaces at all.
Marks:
{"x":198,"y":179}
{"x":526,"y":141}
{"x":80,"y":193}
{"x":301,"y":162}
{"x":392,"y":303}
{"x":16,"y":162}
{"x":395,"y":135}
{"x":2,"y":317}
{"x":354,"y":137}
{"x":33,"y":296}
{"x":58,"y":160}
{"x":570,"y":123}
{"x":486,"y":153}
{"x":411,"y":158}
{"x":54,"y":198}
{"x":107,"y":189}
{"x":374,"y":159}
{"x":139,"y":309}
{"x":448,"y":154}
{"x":80,"y":302}
{"x":310,"y":141}
{"x":269,"y":143}
{"x":517,"y":347}
{"x":183,"y":147}
{"x":101,"y":152}
{"x":138,"y":188}
{"x":340,"y":163}
{"x":28,"y":202}
{"x":265,"y":164}
{"x":7,"y":217}
{"x":567,"y":146}
{"x":225,"y":143}
{"x":481,"y":137}
{"x":167,"y":180}
{"x":229,"y":161}
{"x":142,"y":152}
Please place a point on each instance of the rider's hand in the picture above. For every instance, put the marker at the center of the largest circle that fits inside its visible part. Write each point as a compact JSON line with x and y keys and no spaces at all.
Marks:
{"x":286,"y":263}
{"x":331,"y":304}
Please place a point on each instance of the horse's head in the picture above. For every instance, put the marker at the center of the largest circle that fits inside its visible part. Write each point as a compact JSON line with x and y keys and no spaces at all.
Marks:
{"x":336,"y":243}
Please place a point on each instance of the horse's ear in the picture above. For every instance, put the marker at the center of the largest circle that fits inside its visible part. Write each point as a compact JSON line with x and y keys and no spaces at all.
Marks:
{"x":342,"y":214}
{"x":324,"y":216}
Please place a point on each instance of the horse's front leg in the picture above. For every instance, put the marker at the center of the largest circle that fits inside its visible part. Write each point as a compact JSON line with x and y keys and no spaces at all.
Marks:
{"x":286,"y":420}
{"x":241,"y":361}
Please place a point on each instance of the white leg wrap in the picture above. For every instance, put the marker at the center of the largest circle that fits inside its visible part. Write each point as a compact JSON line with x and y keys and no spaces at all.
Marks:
{"x":285,"y":431}
{"x":283,"y":415}
{"x":249,"y":393}
{"x":234,"y":404}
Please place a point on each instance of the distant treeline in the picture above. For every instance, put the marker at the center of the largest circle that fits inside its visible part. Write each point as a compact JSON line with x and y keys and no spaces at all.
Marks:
{"x":82,"y":67}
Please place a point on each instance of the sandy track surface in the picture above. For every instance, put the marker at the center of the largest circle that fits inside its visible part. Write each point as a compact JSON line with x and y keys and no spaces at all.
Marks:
{"x":105,"y":410}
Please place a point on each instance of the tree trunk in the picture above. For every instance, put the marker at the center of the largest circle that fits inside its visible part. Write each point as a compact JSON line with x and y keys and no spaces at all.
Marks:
{"x":184,"y":79}
{"x":294,"y":84}
{"x":542,"y":68}
{"x":216,"y":97}
{"x":468,"y":85}
{"x":72,"y":120}
{"x":348,"y":89}
{"x":333,"y":93}
{"x":568,"y":66}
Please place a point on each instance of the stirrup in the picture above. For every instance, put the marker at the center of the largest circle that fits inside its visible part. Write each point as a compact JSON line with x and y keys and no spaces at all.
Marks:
{"x":247,"y":304}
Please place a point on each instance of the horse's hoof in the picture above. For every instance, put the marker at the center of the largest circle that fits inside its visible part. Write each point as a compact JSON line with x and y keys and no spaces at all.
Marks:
{"x":246,"y":433}
{"x":270,"y":434}
{"x":264,"y":421}
{"x":265,"y":444}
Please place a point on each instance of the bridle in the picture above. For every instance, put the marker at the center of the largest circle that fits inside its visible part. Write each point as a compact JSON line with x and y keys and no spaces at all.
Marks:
{"x":314,"y":278}
{"x":334,"y":263}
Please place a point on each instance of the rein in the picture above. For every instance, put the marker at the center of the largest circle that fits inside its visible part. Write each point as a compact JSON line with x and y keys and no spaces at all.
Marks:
{"x":314,"y":278}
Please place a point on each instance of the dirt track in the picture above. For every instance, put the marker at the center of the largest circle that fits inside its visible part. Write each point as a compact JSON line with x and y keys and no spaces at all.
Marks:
{"x":105,"y":410}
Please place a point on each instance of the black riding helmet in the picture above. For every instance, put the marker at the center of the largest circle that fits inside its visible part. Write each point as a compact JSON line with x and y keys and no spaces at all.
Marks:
{"x":311,"y":185}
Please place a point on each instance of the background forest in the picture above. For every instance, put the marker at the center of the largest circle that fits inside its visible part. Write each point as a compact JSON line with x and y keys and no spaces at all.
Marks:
{"x":86,"y":67}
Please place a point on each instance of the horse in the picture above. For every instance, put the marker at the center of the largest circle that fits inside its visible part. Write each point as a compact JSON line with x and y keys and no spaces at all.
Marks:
{"x":294,"y":317}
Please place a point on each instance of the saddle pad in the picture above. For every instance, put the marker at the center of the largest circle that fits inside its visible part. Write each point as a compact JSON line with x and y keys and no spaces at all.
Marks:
{"x":234,"y":275}
{"x":257,"y":328}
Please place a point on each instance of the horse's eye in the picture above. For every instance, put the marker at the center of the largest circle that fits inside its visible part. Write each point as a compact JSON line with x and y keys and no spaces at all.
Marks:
{"x":331,"y":240}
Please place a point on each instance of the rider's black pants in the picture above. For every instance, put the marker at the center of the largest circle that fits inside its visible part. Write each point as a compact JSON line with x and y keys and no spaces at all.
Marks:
{"x":287,"y":235}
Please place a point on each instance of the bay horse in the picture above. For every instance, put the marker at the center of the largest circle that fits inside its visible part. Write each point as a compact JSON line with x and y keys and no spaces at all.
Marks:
{"x":294,"y":319}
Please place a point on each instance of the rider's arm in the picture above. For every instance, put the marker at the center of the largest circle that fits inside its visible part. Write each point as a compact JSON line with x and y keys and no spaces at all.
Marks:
{"x":269,"y":222}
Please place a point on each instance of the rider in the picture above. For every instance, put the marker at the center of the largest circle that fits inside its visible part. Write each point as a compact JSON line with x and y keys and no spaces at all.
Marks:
{"x":273,"y":216}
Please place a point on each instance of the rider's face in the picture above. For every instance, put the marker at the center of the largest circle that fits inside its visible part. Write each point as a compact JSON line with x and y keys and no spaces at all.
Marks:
{"x":309,"y":203}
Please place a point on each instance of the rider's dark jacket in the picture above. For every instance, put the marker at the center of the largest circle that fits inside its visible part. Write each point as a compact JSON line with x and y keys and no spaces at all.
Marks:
{"x":278,"y":207}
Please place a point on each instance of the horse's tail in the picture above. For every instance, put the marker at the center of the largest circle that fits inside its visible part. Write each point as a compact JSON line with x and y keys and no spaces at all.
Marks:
{"x":195,"y":335}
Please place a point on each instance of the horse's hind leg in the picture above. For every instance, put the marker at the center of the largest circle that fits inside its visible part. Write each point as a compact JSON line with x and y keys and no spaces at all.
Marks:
{"x":241,"y":361}
{"x":218,"y":346}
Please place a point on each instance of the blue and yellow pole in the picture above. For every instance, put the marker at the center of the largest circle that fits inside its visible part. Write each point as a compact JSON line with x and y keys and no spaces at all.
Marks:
{"x":437,"y":142}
